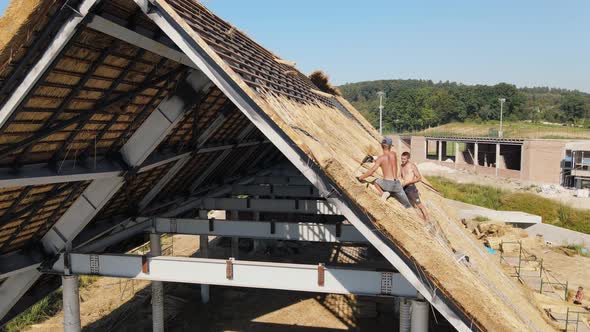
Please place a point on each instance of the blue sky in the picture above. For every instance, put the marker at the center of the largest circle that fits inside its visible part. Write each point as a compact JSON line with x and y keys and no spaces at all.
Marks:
{"x":526,"y":42}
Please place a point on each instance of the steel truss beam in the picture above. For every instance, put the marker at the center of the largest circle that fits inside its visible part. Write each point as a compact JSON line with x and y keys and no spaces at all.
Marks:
{"x":270,"y":205}
{"x":293,"y":231}
{"x":275,"y":190}
{"x":284,"y":180}
{"x":129,"y":36}
{"x":185,"y":38}
{"x":72,"y":171}
{"x":293,"y":277}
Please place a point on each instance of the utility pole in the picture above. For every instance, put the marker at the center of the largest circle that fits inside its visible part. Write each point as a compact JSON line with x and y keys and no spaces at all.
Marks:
{"x":502,"y":101}
{"x":381,"y":94}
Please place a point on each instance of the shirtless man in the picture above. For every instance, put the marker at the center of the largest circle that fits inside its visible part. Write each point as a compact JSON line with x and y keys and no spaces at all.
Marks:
{"x":410,"y":176}
{"x":389,"y":185}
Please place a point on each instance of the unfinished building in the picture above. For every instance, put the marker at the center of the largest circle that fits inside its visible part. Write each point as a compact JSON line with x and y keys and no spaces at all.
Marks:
{"x":121,"y":117}
{"x":535,"y":160}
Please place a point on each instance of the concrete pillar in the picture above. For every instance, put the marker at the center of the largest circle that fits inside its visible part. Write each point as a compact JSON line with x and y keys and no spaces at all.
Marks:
{"x":497,"y":158}
{"x":256,"y":244}
{"x":71,"y":303}
{"x":204,"y":251}
{"x":419,"y":316}
{"x":157,"y":287}
{"x":476,"y":155}
{"x":439,"y":150}
{"x":404,"y":315}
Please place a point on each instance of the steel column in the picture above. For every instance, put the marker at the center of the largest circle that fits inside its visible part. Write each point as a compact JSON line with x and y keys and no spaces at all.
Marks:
{"x":157,"y":287}
{"x":204,"y":249}
{"x":71,"y":303}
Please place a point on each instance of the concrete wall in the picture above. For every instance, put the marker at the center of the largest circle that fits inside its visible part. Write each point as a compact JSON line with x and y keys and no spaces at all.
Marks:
{"x":558,"y":236}
{"x":541,"y":160}
{"x":418,"y":149}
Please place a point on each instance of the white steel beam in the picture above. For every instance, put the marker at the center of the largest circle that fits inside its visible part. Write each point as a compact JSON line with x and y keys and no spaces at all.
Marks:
{"x":60,"y":40}
{"x":275,"y":190}
{"x":301,"y":231}
{"x":111,"y":28}
{"x":156,"y":127}
{"x":34,"y":175}
{"x":293,"y":277}
{"x":13,"y":288}
{"x":285,"y":180}
{"x":270,"y":205}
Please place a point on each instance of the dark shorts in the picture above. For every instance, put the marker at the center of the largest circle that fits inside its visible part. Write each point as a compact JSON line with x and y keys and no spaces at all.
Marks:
{"x":413,"y":195}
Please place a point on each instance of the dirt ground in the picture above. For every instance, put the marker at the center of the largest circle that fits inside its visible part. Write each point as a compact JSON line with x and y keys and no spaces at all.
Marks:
{"x":563,"y":195}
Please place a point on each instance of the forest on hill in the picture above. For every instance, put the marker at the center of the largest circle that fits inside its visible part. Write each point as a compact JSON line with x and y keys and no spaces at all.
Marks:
{"x":420,"y":104}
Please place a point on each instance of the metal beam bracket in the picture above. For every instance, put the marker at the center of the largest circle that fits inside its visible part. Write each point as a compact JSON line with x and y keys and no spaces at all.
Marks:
{"x":94,"y":264}
{"x":386,"y":283}
{"x":67,"y":264}
{"x":145,"y":267}
{"x":272,"y":227}
{"x":211,"y":224}
{"x":338,"y":229}
{"x":330,"y":193}
{"x":321,"y":274}
{"x":229,"y":269}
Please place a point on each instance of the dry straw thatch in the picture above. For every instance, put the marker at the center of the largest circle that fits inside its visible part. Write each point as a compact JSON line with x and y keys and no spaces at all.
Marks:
{"x":322,"y":81}
{"x":338,"y":145}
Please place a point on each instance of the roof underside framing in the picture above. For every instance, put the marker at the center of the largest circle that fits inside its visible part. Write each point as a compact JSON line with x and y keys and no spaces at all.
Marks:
{"x":135,"y":151}
{"x":166,"y":21}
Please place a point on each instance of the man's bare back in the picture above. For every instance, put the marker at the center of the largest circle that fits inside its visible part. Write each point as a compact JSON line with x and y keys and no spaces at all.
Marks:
{"x":388,"y":163}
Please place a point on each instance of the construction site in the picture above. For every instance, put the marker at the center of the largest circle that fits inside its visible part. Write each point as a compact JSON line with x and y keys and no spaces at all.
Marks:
{"x":160,"y":170}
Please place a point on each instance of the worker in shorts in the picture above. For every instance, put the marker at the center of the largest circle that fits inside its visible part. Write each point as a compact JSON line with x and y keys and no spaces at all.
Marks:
{"x":410,"y":176}
{"x":389,"y":185}
{"x":579,"y":296}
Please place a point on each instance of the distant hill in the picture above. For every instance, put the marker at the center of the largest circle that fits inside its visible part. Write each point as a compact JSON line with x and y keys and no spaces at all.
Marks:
{"x":419,"y":104}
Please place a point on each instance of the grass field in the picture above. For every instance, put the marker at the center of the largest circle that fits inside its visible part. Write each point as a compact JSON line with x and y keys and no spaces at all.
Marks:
{"x":552,"y":212}
{"x":511,"y":130}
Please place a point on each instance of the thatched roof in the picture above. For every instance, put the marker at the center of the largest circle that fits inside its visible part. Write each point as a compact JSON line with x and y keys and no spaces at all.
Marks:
{"x":100,"y":89}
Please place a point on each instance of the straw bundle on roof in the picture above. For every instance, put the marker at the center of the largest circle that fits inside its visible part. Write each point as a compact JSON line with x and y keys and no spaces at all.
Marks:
{"x":322,"y":81}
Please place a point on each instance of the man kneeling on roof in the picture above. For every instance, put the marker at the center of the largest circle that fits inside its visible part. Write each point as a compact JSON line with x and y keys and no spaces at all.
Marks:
{"x":410,"y":176}
{"x":389,"y":184}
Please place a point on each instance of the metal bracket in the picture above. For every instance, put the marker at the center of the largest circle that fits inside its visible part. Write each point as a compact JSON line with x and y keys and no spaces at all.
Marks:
{"x":211,"y":224}
{"x":67,"y":5}
{"x":272,"y":227}
{"x":386,"y":283}
{"x":338,"y":229}
{"x":321,"y":274}
{"x":145,"y":267}
{"x":328,"y":194}
{"x":229,"y":269}
{"x":67,"y":263}
{"x":94,"y":264}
